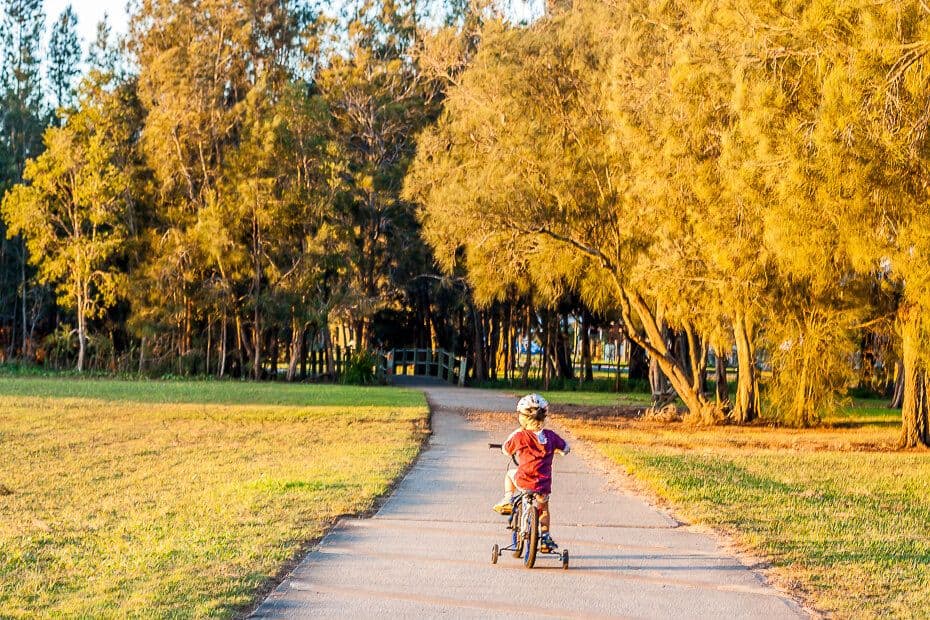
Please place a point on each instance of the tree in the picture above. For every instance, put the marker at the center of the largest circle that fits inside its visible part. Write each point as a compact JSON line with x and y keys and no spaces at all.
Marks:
{"x":379,"y":102}
{"x":872,"y":142}
{"x":64,"y":57}
{"x":22,"y":119}
{"x":204,"y":68}
{"x":102,"y":52}
{"x":533,"y":169}
{"x":72,"y":208}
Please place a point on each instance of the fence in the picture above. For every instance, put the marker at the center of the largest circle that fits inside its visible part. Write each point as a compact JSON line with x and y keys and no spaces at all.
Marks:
{"x":316,"y":365}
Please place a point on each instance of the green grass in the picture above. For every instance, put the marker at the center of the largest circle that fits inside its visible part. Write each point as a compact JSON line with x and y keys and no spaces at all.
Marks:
{"x":181,"y":498}
{"x":840,"y":516}
{"x":214,"y":392}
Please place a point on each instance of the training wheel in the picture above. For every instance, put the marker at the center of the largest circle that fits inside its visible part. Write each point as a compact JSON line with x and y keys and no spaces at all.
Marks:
{"x":495,"y":553}
{"x":565,"y":560}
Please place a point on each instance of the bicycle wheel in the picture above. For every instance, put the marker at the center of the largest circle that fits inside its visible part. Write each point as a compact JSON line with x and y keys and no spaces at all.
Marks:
{"x":517,"y":522}
{"x":531,"y":519}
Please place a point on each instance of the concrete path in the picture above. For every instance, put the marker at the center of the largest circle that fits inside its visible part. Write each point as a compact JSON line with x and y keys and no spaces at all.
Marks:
{"x":426,"y":553}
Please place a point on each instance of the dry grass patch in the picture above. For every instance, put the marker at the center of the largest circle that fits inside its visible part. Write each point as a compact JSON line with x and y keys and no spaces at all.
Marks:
{"x":112,"y":507}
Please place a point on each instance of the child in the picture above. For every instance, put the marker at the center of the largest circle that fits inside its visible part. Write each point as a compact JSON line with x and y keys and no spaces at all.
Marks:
{"x":534,"y":448}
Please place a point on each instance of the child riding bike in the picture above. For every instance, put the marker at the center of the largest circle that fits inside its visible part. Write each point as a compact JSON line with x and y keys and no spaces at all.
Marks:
{"x":533,"y":447}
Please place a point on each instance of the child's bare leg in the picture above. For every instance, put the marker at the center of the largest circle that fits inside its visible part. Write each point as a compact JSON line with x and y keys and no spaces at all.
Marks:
{"x":543,"y":513}
{"x":509,"y":487}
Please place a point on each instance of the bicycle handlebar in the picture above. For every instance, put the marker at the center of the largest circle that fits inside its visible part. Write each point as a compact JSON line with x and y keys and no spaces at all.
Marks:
{"x":495,"y":446}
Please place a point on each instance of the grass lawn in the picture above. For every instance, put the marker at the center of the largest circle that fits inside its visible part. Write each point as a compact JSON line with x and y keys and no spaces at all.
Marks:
{"x":181,"y":498}
{"x":841,"y":516}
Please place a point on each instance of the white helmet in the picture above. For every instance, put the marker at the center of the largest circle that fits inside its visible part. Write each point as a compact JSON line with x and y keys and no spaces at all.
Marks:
{"x":533,"y":406}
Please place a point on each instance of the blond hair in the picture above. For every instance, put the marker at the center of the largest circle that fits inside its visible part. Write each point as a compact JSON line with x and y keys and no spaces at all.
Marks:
{"x":531,"y":423}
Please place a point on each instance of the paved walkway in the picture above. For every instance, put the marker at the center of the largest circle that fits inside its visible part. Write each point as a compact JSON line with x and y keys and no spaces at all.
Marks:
{"x":426,"y":553}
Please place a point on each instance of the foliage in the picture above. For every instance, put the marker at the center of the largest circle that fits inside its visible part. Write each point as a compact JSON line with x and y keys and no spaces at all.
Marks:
{"x":283,"y":177}
{"x":687,"y":165}
{"x":73,"y":211}
{"x":22,"y":119}
{"x":361,"y":369}
{"x":64,"y":57}
{"x":811,"y":368}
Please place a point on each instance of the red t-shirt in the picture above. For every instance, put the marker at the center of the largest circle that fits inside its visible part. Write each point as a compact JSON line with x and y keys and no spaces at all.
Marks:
{"x":534,"y":454}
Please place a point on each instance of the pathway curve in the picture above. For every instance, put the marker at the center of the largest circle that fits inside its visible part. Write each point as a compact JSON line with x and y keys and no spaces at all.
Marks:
{"x":426,"y":553}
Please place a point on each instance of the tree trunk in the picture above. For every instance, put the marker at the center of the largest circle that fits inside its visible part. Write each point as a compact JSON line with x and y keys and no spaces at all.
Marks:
{"x":433,"y":328}
{"x":328,"y":350}
{"x":222,"y":360}
{"x":24,"y":284}
{"x":256,"y":349}
{"x":587,"y":369}
{"x":722,"y":388}
{"x":358,"y":334}
{"x":562,"y":357}
{"x":294,"y":349}
{"x":507,"y":340}
{"x":242,"y":347}
{"x":638,"y":368}
{"x":658,"y":381}
{"x":746,"y":407}
{"x":652,"y":338}
{"x":618,"y":378}
{"x":82,"y":336}
{"x":494,"y":339}
{"x":897,"y":393}
{"x":527,"y":362}
{"x":915,"y":430}
{"x":545,"y":343}
{"x":697,"y":359}
{"x":209,"y":346}
{"x":552,"y":337}
{"x":658,"y":384}
{"x":480,"y":372}
{"x":275,"y":341}
{"x":256,"y":293}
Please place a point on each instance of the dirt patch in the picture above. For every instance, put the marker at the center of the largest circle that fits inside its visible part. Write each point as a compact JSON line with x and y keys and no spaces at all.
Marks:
{"x":593,"y":412}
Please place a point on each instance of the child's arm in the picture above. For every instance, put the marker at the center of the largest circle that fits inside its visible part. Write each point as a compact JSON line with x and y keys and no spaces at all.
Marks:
{"x":510,"y":446}
{"x":559,"y":444}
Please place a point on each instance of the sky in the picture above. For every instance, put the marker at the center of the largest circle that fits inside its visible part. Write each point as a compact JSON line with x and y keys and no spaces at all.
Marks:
{"x":89,"y":12}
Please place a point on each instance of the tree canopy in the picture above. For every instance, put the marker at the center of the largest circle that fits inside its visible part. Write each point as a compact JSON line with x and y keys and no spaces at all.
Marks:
{"x":238,"y":184}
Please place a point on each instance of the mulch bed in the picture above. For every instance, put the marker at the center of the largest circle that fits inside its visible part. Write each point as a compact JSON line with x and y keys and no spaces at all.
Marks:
{"x":587,"y":412}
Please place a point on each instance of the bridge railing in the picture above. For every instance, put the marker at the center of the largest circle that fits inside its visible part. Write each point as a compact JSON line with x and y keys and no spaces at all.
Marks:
{"x":427,"y":363}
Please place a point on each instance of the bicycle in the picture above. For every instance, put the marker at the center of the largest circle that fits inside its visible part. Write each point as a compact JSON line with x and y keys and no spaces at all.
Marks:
{"x":524,"y":526}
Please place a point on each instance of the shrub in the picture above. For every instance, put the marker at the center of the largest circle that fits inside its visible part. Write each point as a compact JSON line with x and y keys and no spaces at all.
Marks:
{"x":810,"y":367}
{"x":361,"y":369}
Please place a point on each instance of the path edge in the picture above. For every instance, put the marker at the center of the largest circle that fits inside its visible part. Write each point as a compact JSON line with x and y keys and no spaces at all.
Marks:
{"x":307,"y":547}
{"x":759,"y":566}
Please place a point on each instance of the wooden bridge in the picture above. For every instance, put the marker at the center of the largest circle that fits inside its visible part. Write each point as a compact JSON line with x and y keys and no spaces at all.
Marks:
{"x":425,"y":363}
